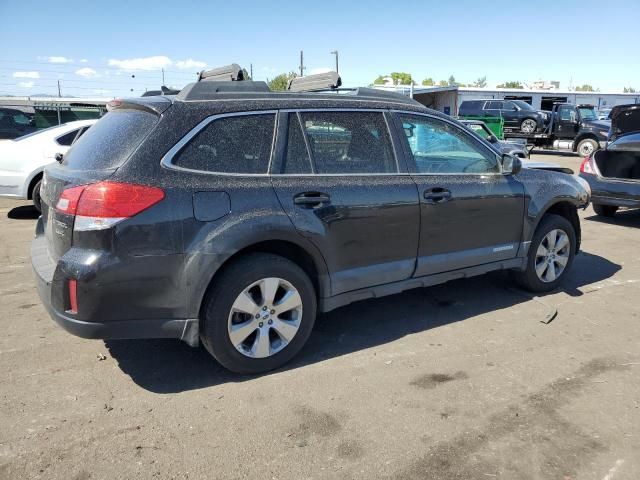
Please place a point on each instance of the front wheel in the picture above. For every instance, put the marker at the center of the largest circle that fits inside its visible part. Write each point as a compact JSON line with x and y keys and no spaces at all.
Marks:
{"x":550,"y":255}
{"x":259,"y":313}
{"x":586,"y":147}
{"x":528,"y":125}
{"x":605,"y":210}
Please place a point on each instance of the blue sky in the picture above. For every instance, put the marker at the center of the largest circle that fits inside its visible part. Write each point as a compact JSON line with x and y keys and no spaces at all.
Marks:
{"x":94,"y":48}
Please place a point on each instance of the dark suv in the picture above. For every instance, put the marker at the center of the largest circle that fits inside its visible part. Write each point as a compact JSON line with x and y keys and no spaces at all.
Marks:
{"x":231,"y":214}
{"x":516,"y":113}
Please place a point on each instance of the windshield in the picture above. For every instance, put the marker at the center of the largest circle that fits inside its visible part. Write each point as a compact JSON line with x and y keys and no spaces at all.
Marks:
{"x":109,"y":142}
{"x":523,"y":105}
{"x":587,"y":113}
{"x":480,"y":130}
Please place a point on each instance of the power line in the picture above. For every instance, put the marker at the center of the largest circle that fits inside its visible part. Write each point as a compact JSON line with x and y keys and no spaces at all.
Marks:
{"x":78,"y":65}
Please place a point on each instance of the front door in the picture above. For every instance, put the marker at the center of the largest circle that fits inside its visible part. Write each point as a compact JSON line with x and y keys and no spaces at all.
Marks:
{"x":338,"y":179}
{"x":471,"y":214}
{"x":568,"y":122}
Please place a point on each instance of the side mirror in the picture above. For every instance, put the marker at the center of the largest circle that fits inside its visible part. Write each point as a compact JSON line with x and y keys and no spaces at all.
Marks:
{"x":492,"y":139}
{"x":58,"y":156}
{"x":511,"y":165}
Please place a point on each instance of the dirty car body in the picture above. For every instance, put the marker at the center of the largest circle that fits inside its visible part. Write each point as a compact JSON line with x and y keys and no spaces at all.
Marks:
{"x":162,"y":206}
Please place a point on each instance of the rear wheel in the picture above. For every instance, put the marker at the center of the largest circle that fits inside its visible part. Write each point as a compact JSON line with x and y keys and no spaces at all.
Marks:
{"x":605,"y":210}
{"x":586,"y":147}
{"x":259,"y":313}
{"x":550,"y":255}
{"x":528,"y":125}
{"x":35,"y":195}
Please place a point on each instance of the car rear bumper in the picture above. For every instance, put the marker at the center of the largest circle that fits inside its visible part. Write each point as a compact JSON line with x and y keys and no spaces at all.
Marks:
{"x":49,"y":287}
{"x":619,"y":193}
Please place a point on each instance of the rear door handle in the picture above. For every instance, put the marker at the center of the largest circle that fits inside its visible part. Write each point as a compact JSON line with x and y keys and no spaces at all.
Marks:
{"x":437,"y":195}
{"x":311,"y":199}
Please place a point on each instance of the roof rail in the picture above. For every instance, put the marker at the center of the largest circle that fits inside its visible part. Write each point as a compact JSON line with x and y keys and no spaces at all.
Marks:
{"x":209,"y":90}
{"x":314,"y":83}
{"x":231,"y":72}
{"x":164,"y":90}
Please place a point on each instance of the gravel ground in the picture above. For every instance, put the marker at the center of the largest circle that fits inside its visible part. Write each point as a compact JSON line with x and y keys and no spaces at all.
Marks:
{"x":458,"y":381}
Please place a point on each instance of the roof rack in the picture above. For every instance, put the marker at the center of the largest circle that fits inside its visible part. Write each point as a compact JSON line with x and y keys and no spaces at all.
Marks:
{"x":315,"y":83}
{"x":231,"y":72}
{"x":164,"y":90}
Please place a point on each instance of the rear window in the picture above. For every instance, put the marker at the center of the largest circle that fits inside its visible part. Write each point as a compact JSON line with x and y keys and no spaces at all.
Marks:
{"x":110,"y":141}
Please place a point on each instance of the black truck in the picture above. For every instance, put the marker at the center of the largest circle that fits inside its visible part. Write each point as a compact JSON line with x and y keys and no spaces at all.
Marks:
{"x":574,"y":128}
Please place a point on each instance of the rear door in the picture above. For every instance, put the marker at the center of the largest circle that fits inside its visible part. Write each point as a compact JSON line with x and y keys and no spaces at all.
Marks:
{"x":339,"y":181}
{"x":470,"y":214}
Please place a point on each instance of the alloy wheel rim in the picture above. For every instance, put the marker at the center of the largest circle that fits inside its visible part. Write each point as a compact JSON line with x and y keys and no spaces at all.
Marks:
{"x":528,"y":126}
{"x":552,"y":255}
{"x":586,"y":149}
{"x":265,"y":317}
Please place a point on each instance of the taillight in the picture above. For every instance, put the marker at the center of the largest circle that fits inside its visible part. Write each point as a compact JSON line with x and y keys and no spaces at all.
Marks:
{"x":102,"y":205}
{"x":587,"y":167}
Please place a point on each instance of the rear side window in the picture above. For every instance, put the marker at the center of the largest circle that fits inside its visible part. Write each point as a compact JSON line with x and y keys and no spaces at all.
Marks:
{"x":110,"y":141}
{"x":67,"y":139}
{"x":349,"y":142}
{"x":234,"y":144}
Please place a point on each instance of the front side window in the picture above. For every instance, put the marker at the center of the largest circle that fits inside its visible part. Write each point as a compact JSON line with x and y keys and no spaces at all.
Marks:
{"x":441,"y":147}
{"x":494,"y":105}
{"x":587,"y":113}
{"x":234,"y":144}
{"x":568,"y":114}
{"x":349,"y":142}
{"x":509,"y":107}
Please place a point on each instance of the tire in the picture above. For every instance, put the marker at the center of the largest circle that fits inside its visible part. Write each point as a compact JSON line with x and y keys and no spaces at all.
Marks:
{"x":541,"y":280}
{"x":605,"y":210}
{"x":528,"y":125}
{"x":35,"y":196}
{"x":243,"y":284}
{"x":586,"y":147}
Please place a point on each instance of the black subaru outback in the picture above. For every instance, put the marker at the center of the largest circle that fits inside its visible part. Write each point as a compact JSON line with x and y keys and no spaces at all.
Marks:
{"x":232,"y":214}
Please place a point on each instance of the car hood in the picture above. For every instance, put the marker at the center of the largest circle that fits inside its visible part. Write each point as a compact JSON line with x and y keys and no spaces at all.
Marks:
{"x":624,"y":119}
{"x":604,"y":125}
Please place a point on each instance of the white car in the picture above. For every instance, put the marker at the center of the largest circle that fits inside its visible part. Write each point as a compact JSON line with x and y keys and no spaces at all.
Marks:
{"x":22,"y":160}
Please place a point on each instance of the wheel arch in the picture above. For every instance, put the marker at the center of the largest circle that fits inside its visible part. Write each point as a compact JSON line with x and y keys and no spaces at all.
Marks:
{"x":312,"y":263}
{"x":584,"y":136}
{"x":567,"y":209}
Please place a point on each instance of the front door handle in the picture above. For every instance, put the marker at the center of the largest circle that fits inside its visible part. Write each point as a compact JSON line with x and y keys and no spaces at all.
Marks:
{"x":437,"y":195}
{"x":311,"y":199}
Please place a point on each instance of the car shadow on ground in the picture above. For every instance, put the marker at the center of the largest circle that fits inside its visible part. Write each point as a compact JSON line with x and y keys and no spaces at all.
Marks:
{"x":554,"y":153}
{"x":170,"y":366}
{"x":24,"y":212}
{"x":623,"y":218}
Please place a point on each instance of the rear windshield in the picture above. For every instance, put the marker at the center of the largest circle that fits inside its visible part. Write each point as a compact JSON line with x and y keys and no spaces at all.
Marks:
{"x":110,"y":141}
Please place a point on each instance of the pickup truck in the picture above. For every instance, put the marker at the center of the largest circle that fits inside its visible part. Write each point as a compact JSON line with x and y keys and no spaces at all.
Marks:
{"x":573,"y":128}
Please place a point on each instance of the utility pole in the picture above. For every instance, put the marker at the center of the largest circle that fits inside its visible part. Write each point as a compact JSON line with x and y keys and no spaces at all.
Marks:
{"x":301,"y":63}
{"x":163,"y":76}
{"x":251,"y":70}
{"x":59,"y":95}
{"x":335,"y":52}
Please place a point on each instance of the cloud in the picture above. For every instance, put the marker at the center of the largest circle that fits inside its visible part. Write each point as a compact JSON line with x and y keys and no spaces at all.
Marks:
{"x":31,"y":74}
{"x":84,"y":60}
{"x":59,"y":60}
{"x":25,"y":84}
{"x":146,"y":63}
{"x":190,"y":63}
{"x":101,"y":91}
{"x":87,"y":72}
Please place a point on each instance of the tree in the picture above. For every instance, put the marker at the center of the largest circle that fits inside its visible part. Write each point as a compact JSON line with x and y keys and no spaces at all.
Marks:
{"x":452,"y":81}
{"x":280,"y":82}
{"x":442,"y":83}
{"x":512,"y":84}
{"x":399,"y":78}
{"x":245,"y":74}
{"x":629,"y":90}
{"x":584,"y":88}
{"x":481,"y":82}
{"x":428,"y":82}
